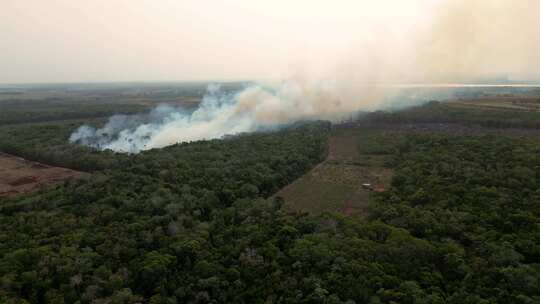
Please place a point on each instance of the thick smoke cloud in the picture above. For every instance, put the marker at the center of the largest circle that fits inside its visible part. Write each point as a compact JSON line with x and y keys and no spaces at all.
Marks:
{"x":471,"y":40}
{"x":466,"y":41}
{"x":254,"y":108}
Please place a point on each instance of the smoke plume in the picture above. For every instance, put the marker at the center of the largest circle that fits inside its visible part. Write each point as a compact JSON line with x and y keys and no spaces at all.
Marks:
{"x":463,"y":41}
{"x":471,"y":40}
{"x":254,"y":108}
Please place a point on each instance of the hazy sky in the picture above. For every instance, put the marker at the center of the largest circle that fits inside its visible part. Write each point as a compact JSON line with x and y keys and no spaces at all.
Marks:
{"x":139,"y":40}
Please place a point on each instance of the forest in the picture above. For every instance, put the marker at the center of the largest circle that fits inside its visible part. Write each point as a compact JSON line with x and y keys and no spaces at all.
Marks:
{"x":197,"y":222}
{"x":270,"y":152}
{"x":23,"y":104}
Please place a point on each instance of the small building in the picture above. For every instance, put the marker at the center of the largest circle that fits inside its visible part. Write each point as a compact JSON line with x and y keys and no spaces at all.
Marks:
{"x":367,"y":186}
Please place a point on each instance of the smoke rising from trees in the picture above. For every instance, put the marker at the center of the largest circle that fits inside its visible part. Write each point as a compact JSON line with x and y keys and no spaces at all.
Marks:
{"x":220,"y":113}
{"x":463,"y":41}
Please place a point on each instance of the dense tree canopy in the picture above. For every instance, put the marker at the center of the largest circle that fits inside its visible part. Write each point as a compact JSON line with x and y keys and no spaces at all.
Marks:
{"x":192,"y":223}
{"x":480,"y":195}
{"x":439,"y":112}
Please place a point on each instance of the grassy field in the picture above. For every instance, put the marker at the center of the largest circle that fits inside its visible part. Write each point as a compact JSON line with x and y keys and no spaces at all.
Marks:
{"x":354,"y":158}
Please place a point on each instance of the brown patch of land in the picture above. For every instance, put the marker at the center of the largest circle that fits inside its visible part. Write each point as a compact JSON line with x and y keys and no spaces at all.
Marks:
{"x":343,"y":147}
{"x":18,"y":175}
{"x":339,"y":183}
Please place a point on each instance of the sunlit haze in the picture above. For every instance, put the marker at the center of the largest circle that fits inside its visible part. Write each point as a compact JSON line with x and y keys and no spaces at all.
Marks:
{"x":115,"y":40}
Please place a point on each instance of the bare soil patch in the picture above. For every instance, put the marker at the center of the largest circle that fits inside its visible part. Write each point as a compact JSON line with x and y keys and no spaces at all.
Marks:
{"x":18,"y":175}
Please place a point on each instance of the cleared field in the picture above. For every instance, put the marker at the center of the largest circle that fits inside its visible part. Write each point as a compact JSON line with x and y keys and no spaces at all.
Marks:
{"x":343,"y":145}
{"x":309,"y":193}
{"x":336,"y":185}
{"x":18,"y":175}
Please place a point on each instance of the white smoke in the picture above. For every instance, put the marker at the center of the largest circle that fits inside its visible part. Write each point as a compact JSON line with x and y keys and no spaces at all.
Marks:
{"x":466,"y":40}
{"x":253,"y":108}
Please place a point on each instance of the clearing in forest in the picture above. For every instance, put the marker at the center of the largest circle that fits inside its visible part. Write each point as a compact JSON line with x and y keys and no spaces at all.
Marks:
{"x":340,"y":183}
{"x":18,"y":175}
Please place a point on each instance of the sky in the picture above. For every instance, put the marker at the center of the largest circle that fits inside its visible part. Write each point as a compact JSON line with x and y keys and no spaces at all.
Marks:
{"x":143,"y":40}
